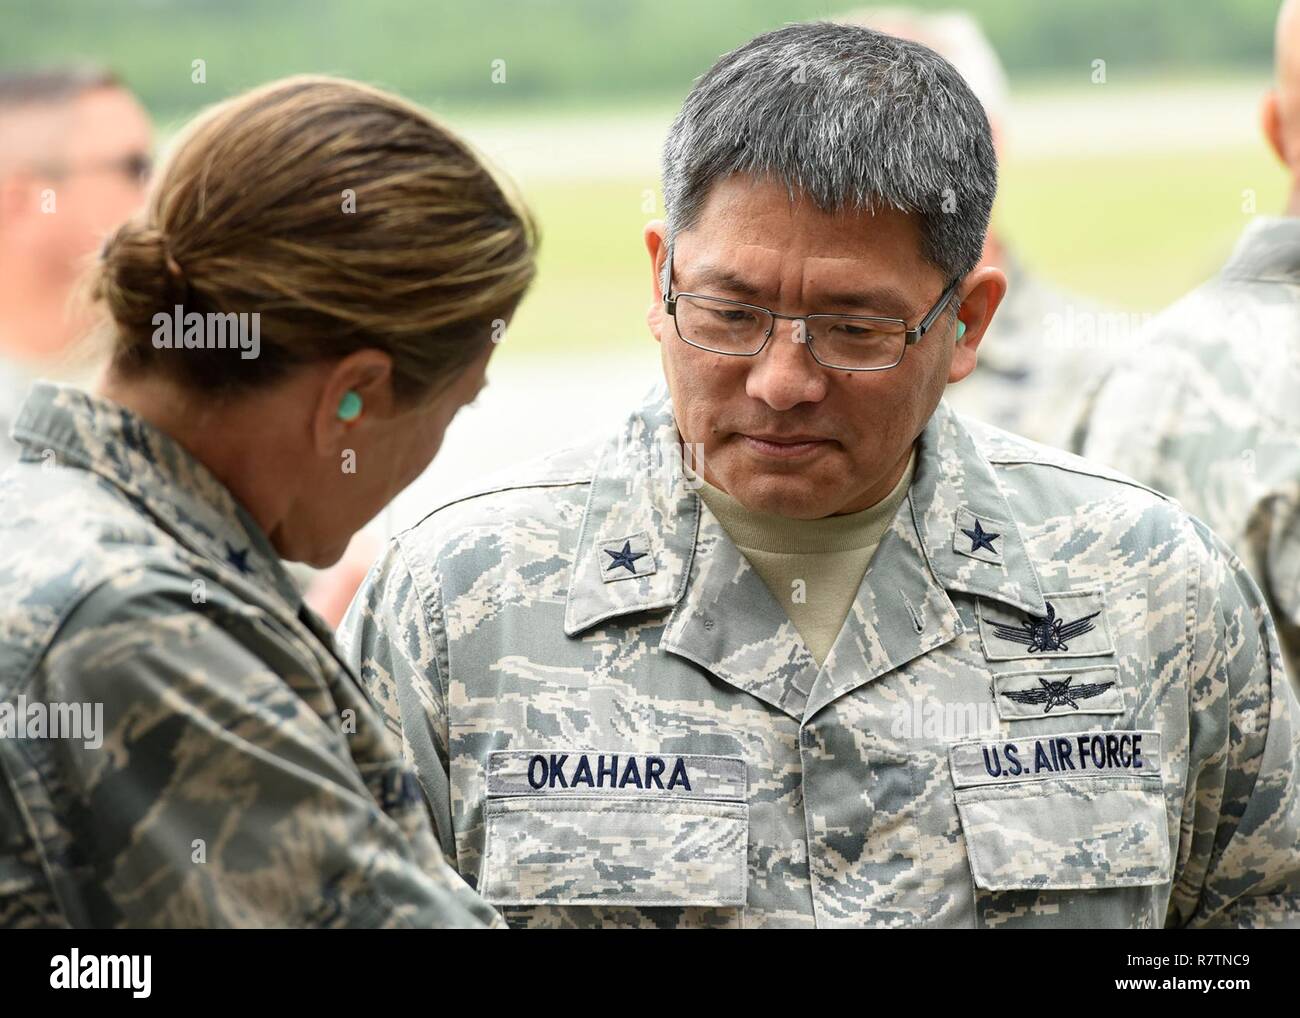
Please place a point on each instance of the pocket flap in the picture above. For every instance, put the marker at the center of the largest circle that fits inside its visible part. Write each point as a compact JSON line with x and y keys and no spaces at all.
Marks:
{"x":1063,"y":835}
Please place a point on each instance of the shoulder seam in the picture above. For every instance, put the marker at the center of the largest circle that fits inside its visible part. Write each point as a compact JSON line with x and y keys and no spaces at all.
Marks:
{"x":561,"y":482}
{"x":1114,"y":478}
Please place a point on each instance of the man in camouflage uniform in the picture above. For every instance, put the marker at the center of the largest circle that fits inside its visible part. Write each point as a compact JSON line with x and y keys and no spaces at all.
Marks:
{"x":1206,"y":406}
{"x":1054,"y":699}
{"x":179,"y":745}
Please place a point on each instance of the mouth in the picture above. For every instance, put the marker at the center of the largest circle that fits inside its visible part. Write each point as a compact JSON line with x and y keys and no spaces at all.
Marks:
{"x":785,"y":447}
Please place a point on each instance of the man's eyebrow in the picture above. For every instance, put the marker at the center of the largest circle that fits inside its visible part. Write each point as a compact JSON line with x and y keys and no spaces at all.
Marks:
{"x":878,"y":300}
{"x":719,"y":277}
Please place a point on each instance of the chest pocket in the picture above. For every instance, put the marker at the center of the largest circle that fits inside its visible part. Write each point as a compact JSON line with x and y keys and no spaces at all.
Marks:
{"x":1065,"y":830}
{"x":605,"y":829}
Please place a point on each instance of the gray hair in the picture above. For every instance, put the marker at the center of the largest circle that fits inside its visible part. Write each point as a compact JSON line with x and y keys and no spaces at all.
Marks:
{"x":53,"y":85}
{"x":850,"y":117}
{"x":954,"y":35}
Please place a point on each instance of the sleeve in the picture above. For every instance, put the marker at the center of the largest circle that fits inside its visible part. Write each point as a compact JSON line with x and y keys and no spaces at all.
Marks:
{"x":391,"y":636}
{"x":1217,"y":432}
{"x":1124,"y":420}
{"x":1239,"y":845}
{"x":214,"y":792}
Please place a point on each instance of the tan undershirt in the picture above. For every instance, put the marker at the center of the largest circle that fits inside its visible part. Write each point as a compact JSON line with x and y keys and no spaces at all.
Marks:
{"x":812,"y":567}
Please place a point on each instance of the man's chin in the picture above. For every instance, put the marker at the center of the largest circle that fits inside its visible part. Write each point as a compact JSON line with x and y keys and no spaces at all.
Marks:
{"x":795,"y":497}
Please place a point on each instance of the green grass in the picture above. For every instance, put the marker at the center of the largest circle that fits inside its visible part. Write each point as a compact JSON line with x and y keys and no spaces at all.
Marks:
{"x":1139,"y":230}
{"x":1133,"y":230}
{"x":593,"y":281}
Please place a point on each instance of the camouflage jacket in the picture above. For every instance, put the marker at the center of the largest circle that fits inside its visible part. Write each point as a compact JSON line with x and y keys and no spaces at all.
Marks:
{"x":1207,"y":409}
{"x":1057,"y":700}
{"x":14,"y":382}
{"x":213,"y":762}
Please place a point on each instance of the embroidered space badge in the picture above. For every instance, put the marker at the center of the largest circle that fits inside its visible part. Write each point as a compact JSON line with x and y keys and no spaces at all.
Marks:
{"x":1073,"y":626}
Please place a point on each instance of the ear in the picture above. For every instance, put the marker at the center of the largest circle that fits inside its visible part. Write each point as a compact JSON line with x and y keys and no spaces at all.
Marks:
{"x":1270,"y":119}
{"x":656,"y":244}
{"x":368,"y":373}
{"x":981,"y":293}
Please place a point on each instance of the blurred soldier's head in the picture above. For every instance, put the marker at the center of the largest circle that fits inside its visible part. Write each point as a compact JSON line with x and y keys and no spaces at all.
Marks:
{"x":957,"y":37}
{"x":821,"y":169}
{"x":1281,"y":112}
{"x":74,"y":155}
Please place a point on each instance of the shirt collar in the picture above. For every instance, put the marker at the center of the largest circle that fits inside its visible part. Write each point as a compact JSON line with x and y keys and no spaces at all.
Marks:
{"x":953,"y":490}
{"x":1267,"y":251}
{"x":768,"y":532}
{"x":645,"y":497}
{"x":643,"y":493}
{"x":157,"y":474}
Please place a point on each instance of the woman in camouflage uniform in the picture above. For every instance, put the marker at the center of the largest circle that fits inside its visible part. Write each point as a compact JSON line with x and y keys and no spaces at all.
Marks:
{"x":312,"y":292}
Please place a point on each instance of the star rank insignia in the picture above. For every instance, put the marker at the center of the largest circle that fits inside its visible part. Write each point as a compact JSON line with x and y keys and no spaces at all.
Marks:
{"x":979,"y":537}
{"x":238,"y":558}
{"x":625,"y":557}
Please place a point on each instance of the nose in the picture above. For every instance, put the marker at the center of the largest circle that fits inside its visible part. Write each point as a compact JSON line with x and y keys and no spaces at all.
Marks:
{"x":784,"y":374}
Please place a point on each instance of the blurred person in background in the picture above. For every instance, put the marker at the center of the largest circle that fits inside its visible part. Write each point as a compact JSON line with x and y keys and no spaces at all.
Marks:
{"x":1207,"y":408}
{"x":233,"y":771}
{"x":74,"y":161}
{"x":1031,"y":364}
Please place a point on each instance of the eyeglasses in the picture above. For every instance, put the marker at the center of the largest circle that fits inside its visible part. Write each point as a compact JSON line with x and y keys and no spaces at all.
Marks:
{"x":843,"y":342}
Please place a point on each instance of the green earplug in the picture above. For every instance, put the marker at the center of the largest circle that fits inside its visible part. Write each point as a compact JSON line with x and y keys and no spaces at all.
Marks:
{"x":349,"y":406}
{"x":961,"y":329}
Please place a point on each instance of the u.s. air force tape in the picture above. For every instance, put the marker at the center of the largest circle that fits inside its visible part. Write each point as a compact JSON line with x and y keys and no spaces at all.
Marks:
{"x":1105,"y":754}
{"x":610,"y":772}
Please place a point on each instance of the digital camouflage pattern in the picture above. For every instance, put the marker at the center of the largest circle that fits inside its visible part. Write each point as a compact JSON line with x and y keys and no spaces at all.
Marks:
{"x":1041,"y":347}
{"x":14,"y":382}
{"x":243,"y":778}
{"x":1207,"y":410}
{"x":580,"y":720}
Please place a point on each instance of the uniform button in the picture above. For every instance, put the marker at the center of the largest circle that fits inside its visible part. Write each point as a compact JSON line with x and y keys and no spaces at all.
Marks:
{"x":806,"y":737}
{"x":708,"y":623}
{"x":798,"y":851}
